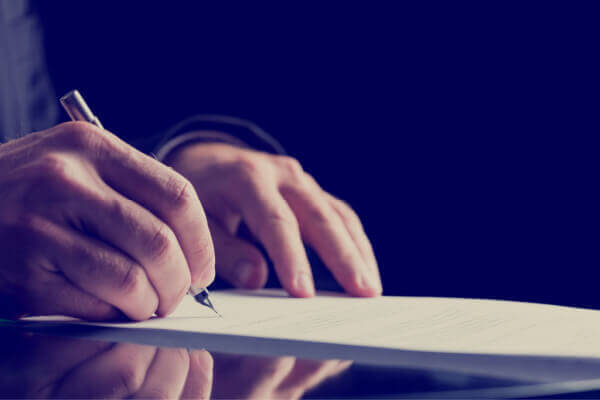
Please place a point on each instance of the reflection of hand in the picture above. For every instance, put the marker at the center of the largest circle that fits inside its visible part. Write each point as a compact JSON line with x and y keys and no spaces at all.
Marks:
{"x":280,"y":204}
{"x":69,"y":368}
{"x":254,"y":377}
{"x":89,"y":226}
{"x":129,"y":370}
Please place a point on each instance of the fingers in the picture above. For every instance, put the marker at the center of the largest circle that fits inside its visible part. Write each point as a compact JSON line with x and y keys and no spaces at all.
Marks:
{"x":98,"y":269}
{"x":166,"y":376}
{"x":281,"y":205}
{"x":326,"y":233}
{"x":200,"y":376}
{"x":150,"y":184}
{"x":307,"y":374}
{"x":51,"y":294}
{"x":129,"y":370}
{"x":297,"y":208}
{"x":43,"y":361}
{"x":172,"y":199}
{"x":145,"y":238}
{"x":118,"y":372}
{"x":355,"y":228}
{"x":238,"y":261}
{"x":324,"y":229}
{"x":272,"y":221}
{"x":249,"y":377}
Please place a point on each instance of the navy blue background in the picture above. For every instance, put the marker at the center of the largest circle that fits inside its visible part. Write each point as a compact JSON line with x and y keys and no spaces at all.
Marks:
{"x":458,"y":132}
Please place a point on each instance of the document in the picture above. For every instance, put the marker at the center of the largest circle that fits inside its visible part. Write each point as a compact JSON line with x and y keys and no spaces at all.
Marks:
{"x":388,"y":330}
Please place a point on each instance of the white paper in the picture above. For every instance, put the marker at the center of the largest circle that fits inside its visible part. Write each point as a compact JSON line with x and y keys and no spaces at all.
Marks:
{"x":408,"y":323}
{"x":385,"y":329}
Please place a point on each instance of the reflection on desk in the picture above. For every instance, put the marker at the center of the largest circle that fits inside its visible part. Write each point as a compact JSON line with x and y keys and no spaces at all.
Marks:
{"x":35,"y":365}
{"x":47,"y":366}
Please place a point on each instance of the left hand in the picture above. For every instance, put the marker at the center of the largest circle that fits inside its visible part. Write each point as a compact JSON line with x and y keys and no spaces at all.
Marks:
{"x":281,"y":205}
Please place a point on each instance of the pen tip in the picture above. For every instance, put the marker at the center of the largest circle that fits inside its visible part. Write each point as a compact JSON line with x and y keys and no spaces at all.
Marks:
{"x":202,"y":298}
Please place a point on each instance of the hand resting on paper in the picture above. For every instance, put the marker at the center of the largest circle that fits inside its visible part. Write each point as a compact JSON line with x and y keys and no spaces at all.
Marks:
{"x":281,"y":205}
{"x":92,"y":228}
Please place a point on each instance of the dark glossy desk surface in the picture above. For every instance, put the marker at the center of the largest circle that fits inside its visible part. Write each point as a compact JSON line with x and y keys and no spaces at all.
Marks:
{"x":43,"y":365}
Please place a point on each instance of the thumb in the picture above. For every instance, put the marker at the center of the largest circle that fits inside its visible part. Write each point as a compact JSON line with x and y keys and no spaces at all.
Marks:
{"x":237,"y":260}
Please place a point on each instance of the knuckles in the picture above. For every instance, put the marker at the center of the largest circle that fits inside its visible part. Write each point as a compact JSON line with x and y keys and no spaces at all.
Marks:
{"x":290,"y":166}
{"x":53,"y":165}
{"x":55,"y":176}
{"x":132,"y":281}
{"x":246,"y":168}
{"x":161,"y":242}
{"x":130,"y":376}
{"x":91,"y":141}
{"x":254,"y":167}
{"x":133,"y":285}
{"x":80,"y":135}
{"x":280,"y":218}
{"x":343,"y":260}
{"x":347,"y":212}
{"x":290,"y":173}
{"x":318,"y":215}
{"x":26,"y":226}
{"x":181,"y":193}
{"x":181,"y":355}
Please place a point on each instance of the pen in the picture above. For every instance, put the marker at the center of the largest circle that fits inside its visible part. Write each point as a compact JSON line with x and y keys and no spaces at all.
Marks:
{"x":78,"y":110}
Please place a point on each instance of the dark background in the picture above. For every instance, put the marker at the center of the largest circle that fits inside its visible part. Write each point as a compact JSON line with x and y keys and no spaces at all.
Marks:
{"x":456,"y":131}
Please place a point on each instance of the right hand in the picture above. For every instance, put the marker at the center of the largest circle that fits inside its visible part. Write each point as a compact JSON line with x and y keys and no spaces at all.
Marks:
{"x":92,"y":228}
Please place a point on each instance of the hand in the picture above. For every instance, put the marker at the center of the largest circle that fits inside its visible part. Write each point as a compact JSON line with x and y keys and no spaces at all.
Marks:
{"x":92,"y":228}
{"x":254,"y":377}
{"x":281,"y":205}
{"x":129,"y":370}
{"x":59,"y":367}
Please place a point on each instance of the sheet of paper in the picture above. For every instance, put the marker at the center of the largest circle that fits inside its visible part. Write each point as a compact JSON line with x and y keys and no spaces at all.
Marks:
{"x":448,"y":325}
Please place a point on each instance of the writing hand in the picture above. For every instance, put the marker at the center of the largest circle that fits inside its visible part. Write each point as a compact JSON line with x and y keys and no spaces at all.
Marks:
{"x":91,"y":228}
{"x":281,"y":205}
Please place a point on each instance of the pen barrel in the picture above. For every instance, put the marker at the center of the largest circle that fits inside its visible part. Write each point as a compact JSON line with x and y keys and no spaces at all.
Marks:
{"x":78,"y":109}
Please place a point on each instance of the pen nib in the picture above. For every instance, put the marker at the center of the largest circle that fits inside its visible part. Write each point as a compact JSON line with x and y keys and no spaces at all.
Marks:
{"x":203,"y":299}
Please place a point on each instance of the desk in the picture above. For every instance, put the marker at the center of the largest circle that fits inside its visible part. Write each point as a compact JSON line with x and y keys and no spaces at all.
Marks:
{"x":48,"y":364}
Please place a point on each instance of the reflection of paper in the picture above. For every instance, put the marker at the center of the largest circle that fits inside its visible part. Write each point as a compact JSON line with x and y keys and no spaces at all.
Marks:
{"x":381,"y":324}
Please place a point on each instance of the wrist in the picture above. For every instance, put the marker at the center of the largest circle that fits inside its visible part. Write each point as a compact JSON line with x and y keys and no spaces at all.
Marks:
{"x":195,"y":154}
{"x":173,"y":146}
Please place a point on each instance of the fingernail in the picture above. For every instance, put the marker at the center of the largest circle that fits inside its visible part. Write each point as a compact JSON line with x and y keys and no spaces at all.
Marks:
{"x":304,"y":284}
{"x":205,"y":278}
{"x":243,"y":273}
{"x":370,"y":282}
{"x":377,"y":281}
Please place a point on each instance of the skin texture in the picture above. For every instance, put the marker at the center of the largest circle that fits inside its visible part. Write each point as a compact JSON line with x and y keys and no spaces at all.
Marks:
{"x":282,"y":206}
{"x":92,"y":228}
{"x":55,"y":367}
